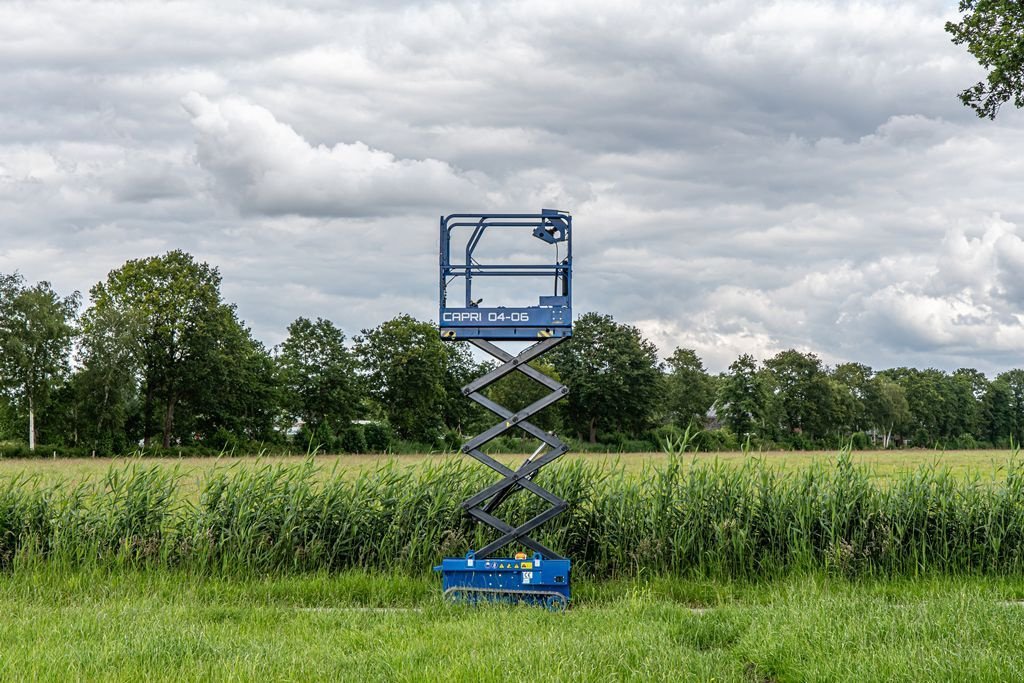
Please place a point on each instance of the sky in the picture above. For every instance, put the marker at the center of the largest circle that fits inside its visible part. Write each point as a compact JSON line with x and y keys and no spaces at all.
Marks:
{"x":745,"y":176}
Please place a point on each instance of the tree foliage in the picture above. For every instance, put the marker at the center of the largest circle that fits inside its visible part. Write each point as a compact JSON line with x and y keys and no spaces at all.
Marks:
{"x":689,"y":390}
{"x":405,"y":364}
{"x":804,"y":398}
{"x":743,"y":397}
{"x":317,"y":376}
{"x":993,"y":31}
{"x":36,"y":329}
{"x":165,"y":316}
{"x":515,"y":391}
{"x":160,"y":354}
{"x":613,"y":374}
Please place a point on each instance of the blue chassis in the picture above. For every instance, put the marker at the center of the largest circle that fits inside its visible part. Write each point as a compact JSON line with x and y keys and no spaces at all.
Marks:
{"x":536,"y":580}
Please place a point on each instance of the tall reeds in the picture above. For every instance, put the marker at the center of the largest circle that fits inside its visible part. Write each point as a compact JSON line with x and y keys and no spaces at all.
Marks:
{"x":680,"y":516}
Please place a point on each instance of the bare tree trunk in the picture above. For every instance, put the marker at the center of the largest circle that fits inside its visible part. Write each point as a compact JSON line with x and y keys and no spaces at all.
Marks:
{"x":31,"y":424}
{"x":593,"y":430}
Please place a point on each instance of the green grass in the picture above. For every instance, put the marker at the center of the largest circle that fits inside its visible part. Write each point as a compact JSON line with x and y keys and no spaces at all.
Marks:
{"x":169,"y":625}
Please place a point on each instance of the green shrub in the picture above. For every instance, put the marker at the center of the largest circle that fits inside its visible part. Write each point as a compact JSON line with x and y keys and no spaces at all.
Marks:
{"x":715,"y":440}
{"x":378,"y":437}
{"x":859,"y":441}
{"x":352,"y":440}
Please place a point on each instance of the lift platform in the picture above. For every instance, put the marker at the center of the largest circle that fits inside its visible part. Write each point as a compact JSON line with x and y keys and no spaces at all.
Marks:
{"x":550,"y":317}
{"x":543,"y":577}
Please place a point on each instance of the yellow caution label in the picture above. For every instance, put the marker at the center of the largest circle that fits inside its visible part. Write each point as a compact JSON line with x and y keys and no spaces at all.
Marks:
{"x":544,"y":333}
{"x":526,"y":565}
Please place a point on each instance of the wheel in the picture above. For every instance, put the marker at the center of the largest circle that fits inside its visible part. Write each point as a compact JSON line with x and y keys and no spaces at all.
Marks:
{"x":556,"y":603}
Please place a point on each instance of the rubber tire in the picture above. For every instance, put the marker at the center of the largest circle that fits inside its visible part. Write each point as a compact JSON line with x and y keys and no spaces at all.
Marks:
{"x":556,"y":603}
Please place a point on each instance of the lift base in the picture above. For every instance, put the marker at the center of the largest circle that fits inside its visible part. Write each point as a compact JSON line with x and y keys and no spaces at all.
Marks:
{"x":535,"y":581}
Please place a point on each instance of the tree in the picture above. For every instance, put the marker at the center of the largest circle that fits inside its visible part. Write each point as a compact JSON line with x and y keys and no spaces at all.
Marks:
{"x":689,"y":390}
{"x":405,"y":364}
{"x":165,"y":314}
{"x":932,"y":402}
{"x":742,"y":396}
{"x":36,"y":328}
{"x":7,"y":419}
{"x":317,"y":375}
{"x":613,"y":375}
{"x":1011,"y":402}
{"x":515,"y":391}
{"x":887,"y":407}
{"x":461,"y":414}
{"x":852,"y":395}
{"x":993,"y":31}
{"x":803,"y":393}
{"x":997,"y":413}
{"x":967,"y":389}
{"x":245,"y":397}
{"x":105,"y":388}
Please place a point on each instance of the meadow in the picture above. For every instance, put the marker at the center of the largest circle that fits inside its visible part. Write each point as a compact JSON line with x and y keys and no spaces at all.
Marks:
{"x":173,"y":626}
{"x":882,"y":464}
{"x":763,"y":567}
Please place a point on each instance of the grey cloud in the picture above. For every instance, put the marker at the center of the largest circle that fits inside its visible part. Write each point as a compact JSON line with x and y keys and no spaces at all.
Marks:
{"x":746,"y":176}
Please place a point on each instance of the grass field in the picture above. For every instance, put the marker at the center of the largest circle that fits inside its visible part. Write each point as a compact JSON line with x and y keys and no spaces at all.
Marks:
{"x":987,"y":464}
{"x":126,"y":625}
{"x":873,"y":570}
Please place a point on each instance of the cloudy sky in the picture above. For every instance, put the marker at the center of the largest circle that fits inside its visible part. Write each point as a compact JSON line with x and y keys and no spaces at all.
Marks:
{"x":744,"y":175}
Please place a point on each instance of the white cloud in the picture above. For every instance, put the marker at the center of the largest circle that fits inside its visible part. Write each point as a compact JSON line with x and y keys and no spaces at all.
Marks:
{"x":745,"y":176}
{"x":264,"y":166}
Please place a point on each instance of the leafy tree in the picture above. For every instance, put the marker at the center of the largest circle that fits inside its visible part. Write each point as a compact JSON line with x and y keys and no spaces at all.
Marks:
{"x":997,"y":409}
{"x":245,"y":397}
{"x":36,"y":329}
{"x":932,"y":404}
{"x":317,"y":374}
{"x":967,"y":388}
{"x":742,"y":396}
{"x":613,"y":376}
{"x":104,"y":391}
{"x":406,"y":363}
{"x":852,"y":393}
{"x":1011,"y":388}
{"x":515,"y":391}
{"x":993,"y":31}
{"x":165,"y":313}
{"x":887,"y":407}
{"x":7,"y":419}
{"x":461,"y":414}
{"x":804,"y":396}
{"x":689,"y":390}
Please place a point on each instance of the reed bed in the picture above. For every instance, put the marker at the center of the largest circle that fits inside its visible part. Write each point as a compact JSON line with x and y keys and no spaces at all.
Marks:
{"x":679,"y":517}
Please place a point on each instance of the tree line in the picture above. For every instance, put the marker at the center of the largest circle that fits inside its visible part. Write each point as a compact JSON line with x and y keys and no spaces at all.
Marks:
{"x":158,"y":360}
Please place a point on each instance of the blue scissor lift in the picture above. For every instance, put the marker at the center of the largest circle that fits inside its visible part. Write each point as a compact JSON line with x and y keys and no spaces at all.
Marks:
{"x":543,"y":576}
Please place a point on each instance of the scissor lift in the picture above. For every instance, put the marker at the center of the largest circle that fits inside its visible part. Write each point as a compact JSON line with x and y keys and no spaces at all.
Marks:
{"x":543,"y":577}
